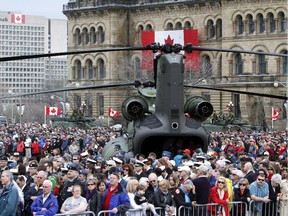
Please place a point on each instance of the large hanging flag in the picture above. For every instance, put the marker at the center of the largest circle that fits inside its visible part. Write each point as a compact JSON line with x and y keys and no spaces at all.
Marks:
{"x":182,"y":37}
{"x":52,"y":110}
{"x":18,"y":18}
{"x":20,"y":109}
{"x":113,"y":113}
{"x":275,"y":114}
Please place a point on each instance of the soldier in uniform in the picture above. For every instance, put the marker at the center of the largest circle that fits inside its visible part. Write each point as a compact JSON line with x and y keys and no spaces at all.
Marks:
{"x":32,"y":170}
{"x":66,"y":190}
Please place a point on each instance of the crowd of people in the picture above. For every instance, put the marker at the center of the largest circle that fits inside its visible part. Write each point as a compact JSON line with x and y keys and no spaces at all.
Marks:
{"x":47,"y":170}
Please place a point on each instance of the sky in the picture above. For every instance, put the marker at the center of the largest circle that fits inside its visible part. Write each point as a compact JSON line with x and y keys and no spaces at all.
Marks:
{"x":47,"y":8}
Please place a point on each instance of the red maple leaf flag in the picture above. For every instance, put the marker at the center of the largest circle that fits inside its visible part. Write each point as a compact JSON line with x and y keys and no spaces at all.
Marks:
{"x":18,"y":18}
{"x":182,"y":37}
{"x":275,"y":114}
{"x":113,"y":113}
{"x":52,"y":110}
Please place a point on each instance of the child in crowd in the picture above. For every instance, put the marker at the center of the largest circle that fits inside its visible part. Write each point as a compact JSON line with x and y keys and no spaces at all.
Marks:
{"x":141,"y":200}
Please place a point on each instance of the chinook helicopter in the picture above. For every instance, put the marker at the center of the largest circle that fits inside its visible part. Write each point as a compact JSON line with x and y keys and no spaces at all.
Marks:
{"x":158,"y":118}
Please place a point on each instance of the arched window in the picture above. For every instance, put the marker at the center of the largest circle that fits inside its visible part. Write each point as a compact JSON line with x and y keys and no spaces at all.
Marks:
{"x":262,"y":64}
{"x":78,"y":37}
{"x":251,"y":24}
{"x":178,"y":26}
{"x":148,"y":27}
{"x":240,"y":25}
{"x":219,"y":28}
{"x":272,"y":23}
{"x":206,"y":66}
{"x":86,"y":36}
{"x":137,"y":69}
{"x":285,"y":63}
{"x":89,"y":66}
{"x":101,"y":35}
{"x":261,"y":23}
{"x":93,"y":35}
{"x":187,"y":25}
{"x":211,"y":29}
{"x":169,"y":26}
{"x":238,"y":64}
{"x":139,"y":34}
{"x":101,"y":68}
{"x":282,"y":22}
{"x":79,"y":70}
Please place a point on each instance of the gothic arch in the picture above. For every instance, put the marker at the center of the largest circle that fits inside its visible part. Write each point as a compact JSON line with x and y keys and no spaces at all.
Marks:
{"x":281,"y":47}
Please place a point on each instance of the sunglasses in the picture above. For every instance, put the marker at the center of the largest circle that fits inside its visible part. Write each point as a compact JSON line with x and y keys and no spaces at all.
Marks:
{"x":220,"y":182}
{"x":152,"y":180}
{"x":261,"y":179}
{"x":126,"y":169}
{"x":242,"y":184}
{"x":90,"y":184}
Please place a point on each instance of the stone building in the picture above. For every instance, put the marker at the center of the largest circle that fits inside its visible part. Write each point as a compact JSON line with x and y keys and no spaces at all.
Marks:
{"x":249,"y":25}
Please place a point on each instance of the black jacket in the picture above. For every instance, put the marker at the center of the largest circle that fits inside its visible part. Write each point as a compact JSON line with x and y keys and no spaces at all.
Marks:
{"x":162,"y":200}
{"x":179,"y":198}
{"x":95,"y":203}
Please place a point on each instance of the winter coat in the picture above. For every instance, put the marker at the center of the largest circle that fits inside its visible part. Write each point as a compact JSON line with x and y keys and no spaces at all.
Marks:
{"x":9,"y":201}
{"x":216,"y":199}
{"x":50,"y":204}
{"x":95,"y":203}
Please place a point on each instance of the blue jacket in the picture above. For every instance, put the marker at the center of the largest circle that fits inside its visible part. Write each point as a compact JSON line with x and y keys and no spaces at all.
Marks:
{"x":119,"y":199}
{"x":9,"y":201}
{"x":51,"y":204}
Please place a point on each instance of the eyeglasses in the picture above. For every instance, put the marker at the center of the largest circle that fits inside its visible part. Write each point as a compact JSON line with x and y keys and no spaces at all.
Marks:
{"x":126,"y":169}
{"x":90,"y":184}
{"x":241,"y":184}
{"x":220,"y":182}
{"x":152,"y":180}
{"x":261,"y":179}
{"x":75,"y":159}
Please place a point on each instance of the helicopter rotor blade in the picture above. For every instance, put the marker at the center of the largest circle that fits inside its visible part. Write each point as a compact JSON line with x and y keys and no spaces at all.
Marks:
{"x":238,"y":92}
{"x":70,"y":89}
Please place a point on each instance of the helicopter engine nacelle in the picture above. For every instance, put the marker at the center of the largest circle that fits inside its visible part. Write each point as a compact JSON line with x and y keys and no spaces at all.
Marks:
{"x":134,"y":107}
{"x":198,"y":108}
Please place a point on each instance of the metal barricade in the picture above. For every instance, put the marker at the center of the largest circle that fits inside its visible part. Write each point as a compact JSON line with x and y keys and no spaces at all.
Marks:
{"x":86,"y":213}
{"x":264,"y":209}
{"x":133,"y":212}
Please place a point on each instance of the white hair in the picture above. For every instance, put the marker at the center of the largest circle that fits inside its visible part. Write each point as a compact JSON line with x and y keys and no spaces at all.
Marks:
{"x":277,"y":178}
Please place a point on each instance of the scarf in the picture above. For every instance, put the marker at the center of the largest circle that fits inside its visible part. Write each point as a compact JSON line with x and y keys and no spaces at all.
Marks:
{"x":91,"y":194}
{"x":107,"y":199}
{"x":221,"y":196}
{"x":187,"y":198}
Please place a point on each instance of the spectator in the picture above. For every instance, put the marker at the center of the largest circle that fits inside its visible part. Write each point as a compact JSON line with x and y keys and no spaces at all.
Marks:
{"x":259,"y":191}
{"x":75,"y":203}
{"x":9,"y":195}
{"x":152,"y":188}
{"x":174,"y":182}
{"x":101,"y":186}
{"x":236,"y":175}
{"x":115,"y":197}
{"x":185,"y":172}
{"x":219,"y":194}
{"x":249,"y":173}
{"x":139,"y":165}
{"x":163,"y":198}
{"x":45,"y":204}
{"x":241,"y":194}
{"x":128,"y":171}
{"x":93,"y":197}
{"x":131,"y":190}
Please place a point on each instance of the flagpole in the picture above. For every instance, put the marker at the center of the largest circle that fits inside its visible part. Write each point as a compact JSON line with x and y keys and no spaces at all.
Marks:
{"x":45,"y":120}
{"x":272,"y":119}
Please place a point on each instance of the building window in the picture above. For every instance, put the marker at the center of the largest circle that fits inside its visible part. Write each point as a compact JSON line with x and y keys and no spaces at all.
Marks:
{"x":148,"y":27}
{"x":219,"y":28}
{"x":285,"y":63}
{"x":79,"y":70}
{"x":238,"y":64}
{"x":261,"y":23}
{"x":90,"y":70}
{"x":101,"y":68}
{"x":86,"y":36}
{"x":101,"y":105}
{"x":169,"y":27}
{"x":101,"y":34}
{"x":262,"y":64}
{"x":211,"y":29}
{"x":272,"y":23}
{"x":206,"y":66}
{"x":187,"y":25}
{"x":240,"y":25}
{"x":237,"y":110}
{"x":93,"y":35}
{"x":283,"y":22}
{"x":251,"y":24}
{"x":78,"y":36}
{"x":178,"y":26}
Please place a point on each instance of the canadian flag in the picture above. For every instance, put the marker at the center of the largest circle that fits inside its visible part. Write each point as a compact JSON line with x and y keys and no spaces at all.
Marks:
{"x":275,"y":114}
{"x":18,"y":18}
{"x":52,"y":110}
{"x":182,"y":37}
{"x":113,"y":113}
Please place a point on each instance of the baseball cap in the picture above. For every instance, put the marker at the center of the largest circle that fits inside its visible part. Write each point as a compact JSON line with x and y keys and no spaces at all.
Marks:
{"x":239,"y":173}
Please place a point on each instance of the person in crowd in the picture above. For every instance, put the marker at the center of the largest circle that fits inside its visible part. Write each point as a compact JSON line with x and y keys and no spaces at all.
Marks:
{"x":45,"y":204}
{"x":76,"y":203}
{"x":93,"y":197}
{"x":184,"y":196}
{"x":174,"y":182}
{"x":139,"y":172}
{"x":241,"y":194}
{"x":219,"y":194}
{"x":131,"y":190}
{"x":249,"y":172}
{"x":142,"y":202}
{"x":259,"y":190}
{"x":32,"y":172}
{"x":152,"y":188}
{"x":115,"y":197}
{"x":101,"y":186}
{"x":128,"y":171}
{"x":163,"y":198}
{"x":21,"y":182}
{"x":236,"y":175}
{"x":185,"y":172}
{"x":9,"y":195}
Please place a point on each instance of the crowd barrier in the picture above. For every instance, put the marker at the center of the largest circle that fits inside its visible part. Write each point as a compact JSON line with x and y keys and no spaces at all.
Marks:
{"x":86,"y":213}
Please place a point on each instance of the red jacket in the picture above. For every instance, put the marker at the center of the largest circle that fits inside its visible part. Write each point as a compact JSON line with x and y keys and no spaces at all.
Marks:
{"x":214,"y":198}
{"x":35,"y":148}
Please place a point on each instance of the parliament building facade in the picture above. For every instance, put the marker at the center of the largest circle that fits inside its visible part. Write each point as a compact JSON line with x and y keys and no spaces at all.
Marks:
{"x":247,"y":25}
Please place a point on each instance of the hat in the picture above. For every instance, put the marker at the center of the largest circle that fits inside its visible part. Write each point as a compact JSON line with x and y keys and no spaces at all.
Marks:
{"x":187,"y":151}
{"x":239,"y":173}
{"x":188,"y":183}
{"x":139,"y":163}
{"x":202,"y":168}
{"x":83,"y":172}
{"x":11,"y":164}
{"x":33,"y":164}
{"x":166,"y":154}
{"x":89,"y":160}
{"x":73,"y":166}
{"x":118,"y":170}
{"x":84,"y":154}
{"x":117,"y":160}
{"x":111,"y":163}
{"x":266,"y":153}
{"x":3,"y":158}
{"x":188,"y":163}
{"x":184,"y":168}
{"x":197,"y":164}
{"x":64,"y":170}
{"x":16,"y":154}
{"x":201,"y":157}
